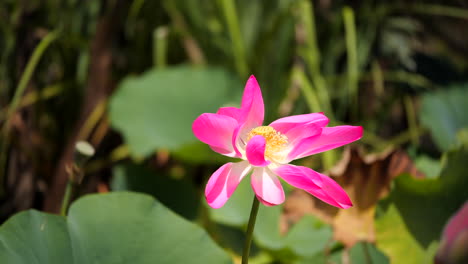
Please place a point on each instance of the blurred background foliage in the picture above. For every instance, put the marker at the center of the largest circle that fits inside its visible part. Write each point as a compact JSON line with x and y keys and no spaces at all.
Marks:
{"x":130,"y":77}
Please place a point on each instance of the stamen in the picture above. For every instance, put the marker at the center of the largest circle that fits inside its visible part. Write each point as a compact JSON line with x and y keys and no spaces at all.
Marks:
{"x":275,"y":141}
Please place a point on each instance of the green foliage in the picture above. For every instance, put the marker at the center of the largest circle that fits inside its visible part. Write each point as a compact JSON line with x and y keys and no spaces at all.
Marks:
{"x":417,"y":210}
{"x":236,"y":210}
{"x":137,"y":178}
{"x":360,"y":253}
{"x":445,"y":112}
{"x":395,"y":239}
{"x":366,"y":253}
{"x":308,"y":237}
{"x":110,"y":228}
{"x":156,"y":110}
{"x":355,"y":63}
{"x":305,"y":239}
{"x":204,"y":155}
{"x":430,"y":167}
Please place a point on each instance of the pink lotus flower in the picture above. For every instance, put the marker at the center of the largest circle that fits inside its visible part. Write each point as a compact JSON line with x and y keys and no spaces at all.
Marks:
{"x":453,"y":247}
{"x":267,"y":150}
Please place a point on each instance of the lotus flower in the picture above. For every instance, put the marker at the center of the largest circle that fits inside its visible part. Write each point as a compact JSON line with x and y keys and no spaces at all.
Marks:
{"x":453,"y":248}
{"x":267,"y":151}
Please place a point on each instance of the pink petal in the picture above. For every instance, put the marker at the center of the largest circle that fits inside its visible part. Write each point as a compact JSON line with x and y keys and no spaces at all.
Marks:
{"x":317,"y":184}
{"x":265,"y":202}
{"x":255,"y":151}
{"x":252,"y":101}
{"x":331,"y":137}
{"x":298,"y":133}
{"x":224,"y":181}
{"x":216,"y":131}
{"x":267,"y":186}
{"x":251,"y":113}
{"x":224,"y":151}
{"x":453,"y":245}
{"x":283,"y":125}
{"x":457,"y":223}
{"x":233,"y":112}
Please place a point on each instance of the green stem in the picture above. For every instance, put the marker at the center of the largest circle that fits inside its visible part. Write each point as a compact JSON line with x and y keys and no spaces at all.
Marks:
{"x":232,"y":21}
{"x":249,"y":233}
{"x":135,"y":9}
{"x":191,"y":46}
{"x":351,"y":51}
{"x":160,"y":47}
{"x":439,"y":10}
{"x":83,"y":151}
{"x":67,"y":197}
{"x":377,"y":78}
{"x":28,"y":71}
{"x":328,"y":157}
{"x":309,"y":92}
{"x":411,"y":118}
{"x":15,"y":102}
{"x":312,"y":56}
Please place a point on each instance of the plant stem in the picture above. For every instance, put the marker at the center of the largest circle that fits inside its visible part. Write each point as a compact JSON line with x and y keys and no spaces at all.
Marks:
{"x":411,"y":118}
{"x":193,"y":50}
{"x":250,"y":228}
{"x":15,"y":102}
{"x":232,"y":21}
{"x":438,"y":10}
{"x":66,"y":198}
{"x":310,"y":95}
{"x":28,"y":72}
{"x":352,"y":59}
{"x":313,"y":57}
{"x":83,"y":151}
{"x":160,"y":47}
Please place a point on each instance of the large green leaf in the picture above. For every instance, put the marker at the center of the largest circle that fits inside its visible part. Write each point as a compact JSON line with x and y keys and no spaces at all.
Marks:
{"x":416,"y":210}
{"x":204,"y":154}
{"x":111,"y":228}
{"x":157,"y":109}
{"x":360,"y":253}
{"x":267,"y":228}
{"x":395,"y":240}
{"x":308,"y":237}
{"x":445,"y":112}
{"x":364,"y":252}
{"x":131,"y":177}
{"x":35,"y":237}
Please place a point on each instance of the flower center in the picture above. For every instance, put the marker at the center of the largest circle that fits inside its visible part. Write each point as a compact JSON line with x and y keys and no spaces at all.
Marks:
{"x":275,"y":141}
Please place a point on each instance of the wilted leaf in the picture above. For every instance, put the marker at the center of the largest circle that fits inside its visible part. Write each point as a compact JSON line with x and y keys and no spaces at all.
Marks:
{"x":107,"y":228}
